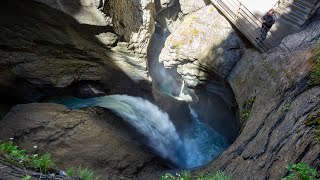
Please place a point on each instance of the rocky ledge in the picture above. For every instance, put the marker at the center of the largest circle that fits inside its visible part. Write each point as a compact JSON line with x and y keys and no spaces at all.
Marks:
{"x":104,"y":143}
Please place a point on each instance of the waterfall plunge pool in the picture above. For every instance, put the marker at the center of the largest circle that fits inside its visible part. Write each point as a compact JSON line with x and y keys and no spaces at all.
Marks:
{"x":195,"y":146}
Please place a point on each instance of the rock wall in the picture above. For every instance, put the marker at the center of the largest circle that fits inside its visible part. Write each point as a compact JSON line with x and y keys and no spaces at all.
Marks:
{"x":275,"y":134}
{"x":205,"y":42}
{"x":134,"y":20}
{"x":47,"y":48}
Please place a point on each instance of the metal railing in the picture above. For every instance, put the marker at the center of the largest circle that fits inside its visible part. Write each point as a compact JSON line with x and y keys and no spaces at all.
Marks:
{"x":246,"y":22}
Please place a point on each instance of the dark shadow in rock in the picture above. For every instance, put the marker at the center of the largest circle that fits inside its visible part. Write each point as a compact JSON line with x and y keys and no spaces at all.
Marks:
{"x":49,"y":53}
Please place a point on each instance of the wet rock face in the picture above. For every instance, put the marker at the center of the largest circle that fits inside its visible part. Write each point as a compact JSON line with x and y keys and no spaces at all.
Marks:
{"x":134,"y":20}
{"x":93,"y":138}
{"x":204,"y":42}
{"x":275,"y":134}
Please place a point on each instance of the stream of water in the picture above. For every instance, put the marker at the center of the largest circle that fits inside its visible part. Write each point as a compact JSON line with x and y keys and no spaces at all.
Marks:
{"x":197,"y":146}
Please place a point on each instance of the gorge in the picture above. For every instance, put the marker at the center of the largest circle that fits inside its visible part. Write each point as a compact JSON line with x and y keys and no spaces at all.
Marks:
{"x":136,"y":89}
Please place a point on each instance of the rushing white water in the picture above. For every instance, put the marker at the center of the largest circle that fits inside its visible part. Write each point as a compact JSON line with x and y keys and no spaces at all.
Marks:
{"x":197,"y":146}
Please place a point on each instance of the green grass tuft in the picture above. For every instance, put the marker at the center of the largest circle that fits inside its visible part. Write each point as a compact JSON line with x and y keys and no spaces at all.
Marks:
{"x":86,"y":174}
{"x":71,"y":172}
{"x":44,"y":163}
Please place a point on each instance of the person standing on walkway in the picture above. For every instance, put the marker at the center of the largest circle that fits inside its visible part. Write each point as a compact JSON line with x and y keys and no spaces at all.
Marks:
{"x":267,"y":21}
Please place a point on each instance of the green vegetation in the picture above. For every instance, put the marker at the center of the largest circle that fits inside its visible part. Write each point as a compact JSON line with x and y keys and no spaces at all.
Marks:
{"x":314,"y":77}
{"x":186,"y":175}
{"x":247,"y":106}
{"x":17,"y":157}
{"x":314,"y":120}
{"x":287,"y":107}
{"x":301,"y":171}
{"x":83,"y":173}
{"x":44,"y":163}
{"x":27,"y":177}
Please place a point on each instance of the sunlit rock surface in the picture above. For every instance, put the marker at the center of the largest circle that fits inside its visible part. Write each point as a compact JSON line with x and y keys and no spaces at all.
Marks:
{"x":204,"y":42}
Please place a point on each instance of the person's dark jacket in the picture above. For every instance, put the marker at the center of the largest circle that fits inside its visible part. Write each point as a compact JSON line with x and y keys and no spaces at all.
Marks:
{"x":269,"y":20}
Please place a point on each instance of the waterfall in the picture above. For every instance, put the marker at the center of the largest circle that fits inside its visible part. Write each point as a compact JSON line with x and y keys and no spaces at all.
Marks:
{"x":198,"y":145}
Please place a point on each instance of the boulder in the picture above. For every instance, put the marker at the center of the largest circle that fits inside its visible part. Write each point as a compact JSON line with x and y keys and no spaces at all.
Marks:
{"x":93,"y":138}
{"x":205,"y":42}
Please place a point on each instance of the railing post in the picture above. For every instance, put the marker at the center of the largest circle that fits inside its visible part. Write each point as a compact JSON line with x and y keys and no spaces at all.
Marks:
{"x":238,"y":12}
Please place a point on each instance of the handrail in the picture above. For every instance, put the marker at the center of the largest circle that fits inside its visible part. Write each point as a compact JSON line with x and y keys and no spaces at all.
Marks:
{"x":246,"y":14}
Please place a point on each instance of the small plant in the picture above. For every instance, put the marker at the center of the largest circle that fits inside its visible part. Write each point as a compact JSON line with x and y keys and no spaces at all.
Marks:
{"x":70,"y":172}
{"x":247,"y":106}
{"x":12,"y":151}
{"x":8,"y":147}
{"x":44,"y":162}
{"x":83,"y":173}
{"x":86,"y":174}
{"x":301,"y":171}
{"x":27,"y":177}
{"x":287,"y":107}
{"x":185,"y":175}
{"x":314,"y":77}
{"x":314,"y":120}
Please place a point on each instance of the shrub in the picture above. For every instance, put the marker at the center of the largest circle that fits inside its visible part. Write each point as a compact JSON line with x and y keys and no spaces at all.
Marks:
{"x":301,"y":171}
